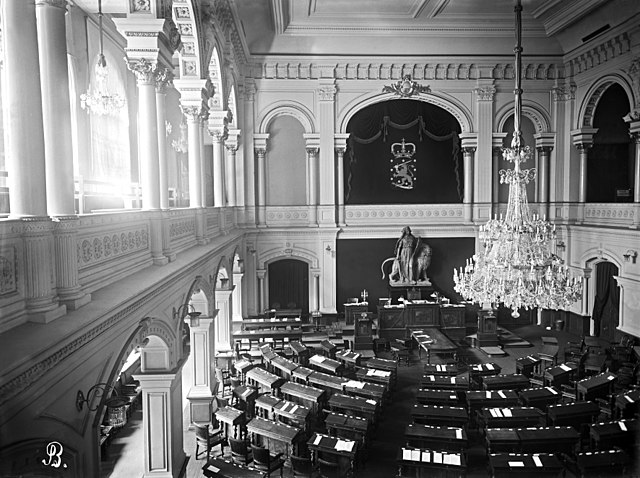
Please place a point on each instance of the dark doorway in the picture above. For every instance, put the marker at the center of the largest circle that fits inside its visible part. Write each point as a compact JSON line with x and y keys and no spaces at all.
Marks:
{"x":289,"y":285}
{"x":606,"y":302}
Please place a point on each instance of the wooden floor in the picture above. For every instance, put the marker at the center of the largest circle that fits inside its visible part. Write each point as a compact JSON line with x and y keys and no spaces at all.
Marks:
{"x":126,"y":454}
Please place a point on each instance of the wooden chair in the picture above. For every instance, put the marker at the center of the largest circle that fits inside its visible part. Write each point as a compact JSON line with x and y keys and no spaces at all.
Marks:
{"x":301,"y":467}
{"x":208,"y":439}
{"x":224,"y":378}
{"x":267,"y":462}
{"x":328,"y":469}
{"x":240,"y":452}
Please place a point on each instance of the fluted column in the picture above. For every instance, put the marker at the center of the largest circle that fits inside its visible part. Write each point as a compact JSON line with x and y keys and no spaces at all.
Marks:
{"x":223,"y":320}
{"x":65,"y":233}
{"x":237,"y":296}
{"x":200,"y":394}
{"x":193,"y":134}
{"x":217,"y":137}
{"x":482,"y":173}
{"x":468,"y":155}
{"x":583,"y":140}
{"x":147,"y":131}
{"x":326,"y":94}
{"x":260,"y":147}
{"x":262,"y":299}
{"x":544,"y":152}
{"x":22,"y":104}
{"x":163,"y":78}
{"x":231,"y":144}
{"x":41,"y":301}
{"x":56,"y":111}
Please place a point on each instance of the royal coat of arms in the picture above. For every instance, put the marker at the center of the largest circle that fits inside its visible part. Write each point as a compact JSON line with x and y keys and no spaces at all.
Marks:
{"x":403,"y":165}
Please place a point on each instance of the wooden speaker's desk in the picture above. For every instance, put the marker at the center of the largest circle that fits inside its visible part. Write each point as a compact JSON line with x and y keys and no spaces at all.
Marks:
{"x":345,"y":426}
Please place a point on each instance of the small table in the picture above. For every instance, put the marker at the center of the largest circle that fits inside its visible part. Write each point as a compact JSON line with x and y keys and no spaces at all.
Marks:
{"x":432,"y":340}
{"x":233,"y":419}
{"x":279,"y":436}
{"x":325,"y":364}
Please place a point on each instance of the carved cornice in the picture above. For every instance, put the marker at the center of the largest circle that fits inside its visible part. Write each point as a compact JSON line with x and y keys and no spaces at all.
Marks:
{"x":419,"y":71}
{"x":143,"y":69}
{"x":601,"y":53}
{"x":53,"y":3}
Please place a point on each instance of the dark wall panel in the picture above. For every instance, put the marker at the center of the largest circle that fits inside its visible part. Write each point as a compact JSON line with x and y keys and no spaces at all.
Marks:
{"x":359,"y":260}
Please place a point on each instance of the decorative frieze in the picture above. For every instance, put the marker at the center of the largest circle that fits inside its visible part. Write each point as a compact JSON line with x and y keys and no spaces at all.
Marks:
{"x":8,"y":271}
{"x":186,"y":227}
{"x":91,"y":250}
{"x":601,"y":53}
{"x":143,"y":69}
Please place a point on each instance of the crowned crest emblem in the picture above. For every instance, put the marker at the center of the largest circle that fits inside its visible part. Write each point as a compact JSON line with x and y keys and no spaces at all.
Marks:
{"x":403,"y":165}
{"x":406,"y":87}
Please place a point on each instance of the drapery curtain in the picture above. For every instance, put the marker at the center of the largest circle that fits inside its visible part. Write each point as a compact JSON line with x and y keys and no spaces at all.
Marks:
{"x":289,"y":285}
{"x":420,"y":120}
{"x":605,"y":304}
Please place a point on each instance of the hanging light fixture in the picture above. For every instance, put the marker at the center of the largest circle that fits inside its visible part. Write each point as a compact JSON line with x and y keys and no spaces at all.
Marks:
{"x":516,"y":264}
{"x":181,"y":145}
{"x":100,"y":101}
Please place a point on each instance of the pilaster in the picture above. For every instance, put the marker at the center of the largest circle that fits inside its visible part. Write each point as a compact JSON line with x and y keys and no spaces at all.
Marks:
{"x":634,"y":131}
{"x":231,"y":145}
{"x":469,"y":147}
{"x":340,"y":147}
{"x":312,"y":145}
{"x":237,"y":296}
{"x":260,"y":147}
{"x":202,"y":340}
{"x":326,"y":94}
{"x":217,"y":126}
{"x":583,"y":140}
{"x":483,"y":161}
{"x":223,"y":319}
{"x":65,"y":231}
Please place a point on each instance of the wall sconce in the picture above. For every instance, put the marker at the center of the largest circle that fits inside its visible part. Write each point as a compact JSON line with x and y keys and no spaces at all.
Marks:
{"x":328,"y":248}
{"x":97,"y":390}
{"x":193,"y":313}
{"x":561,"y":246}
{"x":630,"y":256}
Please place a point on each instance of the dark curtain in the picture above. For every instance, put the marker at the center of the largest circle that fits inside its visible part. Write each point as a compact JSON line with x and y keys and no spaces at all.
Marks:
{"x":605,"y":304}
{"x":289,"y":285}
{"x":438,"y":157}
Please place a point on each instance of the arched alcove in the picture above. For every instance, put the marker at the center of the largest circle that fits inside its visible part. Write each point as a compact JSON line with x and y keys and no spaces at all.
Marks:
{"x":403,"y":152}
{"x":286,"y":158}
{"x":610,"y":160}
{"x":289,"y":284}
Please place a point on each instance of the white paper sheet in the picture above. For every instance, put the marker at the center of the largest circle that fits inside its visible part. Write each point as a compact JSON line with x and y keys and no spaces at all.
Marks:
{"x":552,"y":390}
{"x":506,"y":412}
{"x":425,"y":456}
{"x":502,"y":395}
{"x":514,"y":464}
{"x":372,"y":402}
{"x":566,"y":368}
{"x":406,"y":454}
{"x":317,"y":440}
{"x":488,"y":394}
{"x":458,"y":433}
{"x":453,"y":380}
{"x":490,"y":366}
{"x":437,"y":457}
{"x":623,"y":427}
{"x":536,"y":460}
{"x":415,"y":455}
{"x":629,"y":399}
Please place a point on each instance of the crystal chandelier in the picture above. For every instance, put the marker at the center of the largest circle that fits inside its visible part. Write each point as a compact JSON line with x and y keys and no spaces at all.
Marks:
{"x":181,"y":145}
{"x":100,"y":101}
{"x":516,"y":264}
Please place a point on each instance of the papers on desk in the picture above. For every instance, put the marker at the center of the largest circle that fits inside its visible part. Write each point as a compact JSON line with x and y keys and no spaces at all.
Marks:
{"x":406,"y":454}
{"x":514,"y":464}
{"x":451,"y":459}
{"x":502,"y":395}
{"x":566,"y":368}
{"x":213,"y":469}
{"x":628,"y":398}
{"x":490,"y":366}
{"x":293,"y":410}
{"x":344,"y":445}
{"x":372,"y":372}
{"x":507,"y":413}
{"x":425,"y":457}
{"x":458,"y":433}
{"x":453,"y":380}
{"x":431,"y":377}
{"x":372,"y":402}
{"x":495,"y":412}
{"x":318,"y":358}
{"x":623,"y":427}
{"x":611,"y":377}
{"x":552,"y":390}
{"x":437,"y":457}
{"x":317,"y":440}
{"x":354,"y":384}
{"x":537,"y":461}
{"x":488,"y":394}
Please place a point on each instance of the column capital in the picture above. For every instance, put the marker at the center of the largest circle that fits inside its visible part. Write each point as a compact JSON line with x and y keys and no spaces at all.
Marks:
{"x":544,"y":149}
{"x":260,"y":141}
{"x":469,"y":140}
{"x":563,"y":92}
{"x":327,"y":92}
{"x":497,"y":140}
{"x":340,"y":140}
{"x":144,"y":70}
{"x":469,"y":150}
{"x":233,"y":135}
{"x":163,"y":78}
{"x":545,"y":140}
{"x":485,"y":93}
{"x":583,"y":138}
{"x":248,"y":90}
{"x":634,"y":129}
{"x":193,"y":113}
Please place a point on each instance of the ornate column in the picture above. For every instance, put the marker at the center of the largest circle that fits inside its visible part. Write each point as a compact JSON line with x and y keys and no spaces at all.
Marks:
{"x":162,"y":423}
{"x":326,"y":95}
{"x":562,"y":165}
{"x":469,"y":146}
{"x":340,"y":147}
{"x":260,"y":147}
{"x":247,"y":192}
{"x":202,"y":340}
{"x":206,"y":168}
{"x":634,"y":131}
{"x":147,"y":131}
{"x":223,"y":319}
{"x":312,"y":144}
{"x":193,"y":134}
{"x":482,"y":162}
{"x":544,"y":146}
{"x":232,"y":146}
{"x":22,"y":103}
{"x":217,"y":126}
{"x":56,"y":111}
{"x":237,"y":296}
{"x":262,"y":299}
{"x":163,"y":79}
{"x":583,"y":140}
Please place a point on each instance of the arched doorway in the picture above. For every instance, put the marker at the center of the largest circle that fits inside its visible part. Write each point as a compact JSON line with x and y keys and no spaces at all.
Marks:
{"x":289,"y":285}
{"x":606,"y":301}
